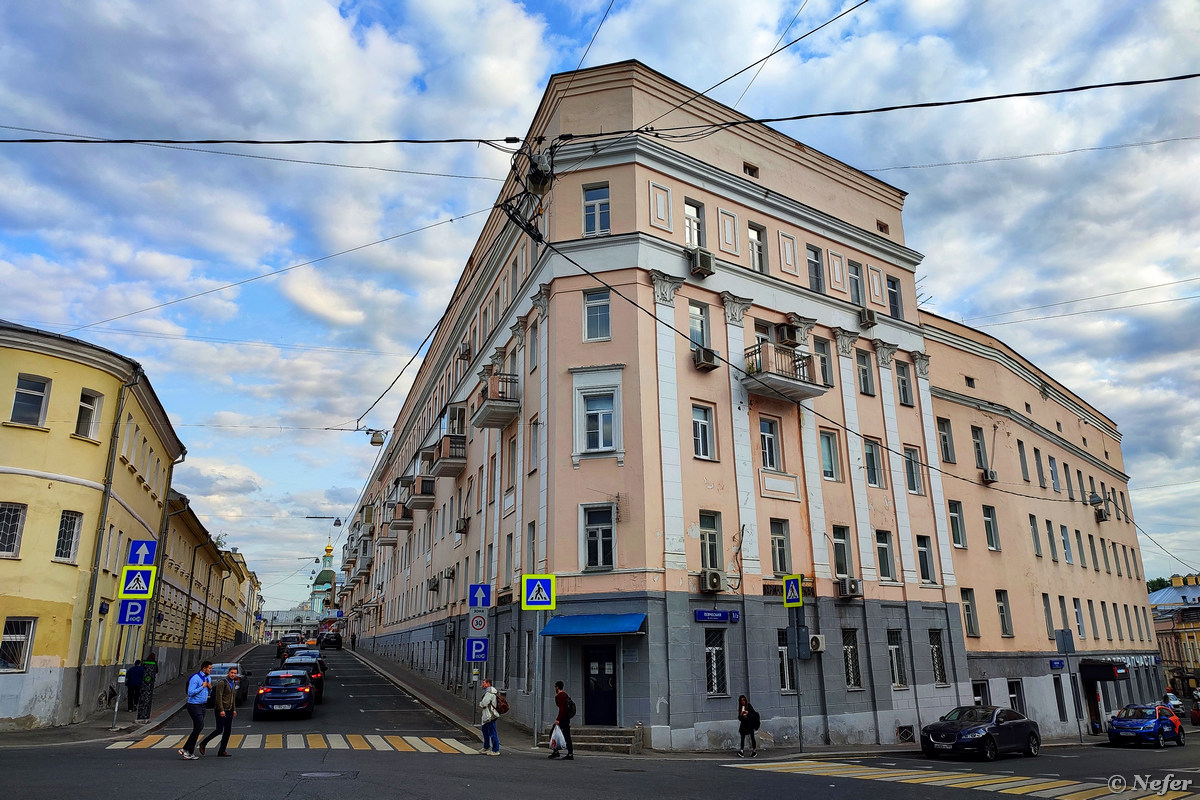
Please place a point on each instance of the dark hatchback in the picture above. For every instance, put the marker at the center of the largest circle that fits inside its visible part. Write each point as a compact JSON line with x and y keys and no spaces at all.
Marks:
{"x":986,"y":731}
{"x":288,"y":691}
{"x":240,"y":690}
{"x":331,"y":639}
{"x":315,"y":667}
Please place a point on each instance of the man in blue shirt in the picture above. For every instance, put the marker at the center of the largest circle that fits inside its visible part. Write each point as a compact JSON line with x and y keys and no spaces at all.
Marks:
{"x":197,"y":698}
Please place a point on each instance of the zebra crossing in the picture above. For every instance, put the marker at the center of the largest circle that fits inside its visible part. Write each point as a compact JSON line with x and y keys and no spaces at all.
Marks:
{"x":312,"y":741}
{"x":1031,"y":786}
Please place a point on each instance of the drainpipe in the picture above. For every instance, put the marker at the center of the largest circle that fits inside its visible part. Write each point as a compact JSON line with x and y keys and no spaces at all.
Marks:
{"x":187,"y":615}
{"x":100,"y":523}
{"x":221,"y":605}
{"x":164,"y":530}
{"x":207,"y":608}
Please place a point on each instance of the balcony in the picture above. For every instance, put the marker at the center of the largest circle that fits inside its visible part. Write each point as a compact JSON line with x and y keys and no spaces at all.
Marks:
{"x":387,"y":537}
{"x":349,"y":556}
{"x":773,"y":370}
{"x":419,"y":496}
{"x":363,"y":569}
{"x":450,"y":456}
{"x":499,"y":402}
{"x":402,"y":520}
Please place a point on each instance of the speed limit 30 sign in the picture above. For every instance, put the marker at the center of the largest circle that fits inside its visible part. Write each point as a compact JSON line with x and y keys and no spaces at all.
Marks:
{"x":478,"y":621}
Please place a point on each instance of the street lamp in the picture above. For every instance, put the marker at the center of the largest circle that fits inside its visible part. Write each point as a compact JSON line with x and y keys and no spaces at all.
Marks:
{"x":337,"y":522}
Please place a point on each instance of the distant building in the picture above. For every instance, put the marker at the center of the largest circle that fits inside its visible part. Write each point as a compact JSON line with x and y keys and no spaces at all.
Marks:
{"x":1177,"y":623}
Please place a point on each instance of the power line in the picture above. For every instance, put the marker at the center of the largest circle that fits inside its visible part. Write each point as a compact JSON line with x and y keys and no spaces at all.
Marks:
{"x":1081,"y":299}
{"x":763,"y":63}
{"x":1142,"y":531}
{"x":66,"y":139}
{"x":1162,"y":486}
{"x":1020,"y":156}
{"x":1090,"y":311}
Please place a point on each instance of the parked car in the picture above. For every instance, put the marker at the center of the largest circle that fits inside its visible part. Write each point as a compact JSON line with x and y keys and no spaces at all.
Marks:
{"x":1146,"y":722}
{"x":240,"y":689}
{"x":1172,"y":700}
{"x":331,"y":639}
{"x":1196,"y":714}
{"x":315,"y":668}
{"x":285,"y":690}
{"x":983,"y":730}
{"x":290,"y":638}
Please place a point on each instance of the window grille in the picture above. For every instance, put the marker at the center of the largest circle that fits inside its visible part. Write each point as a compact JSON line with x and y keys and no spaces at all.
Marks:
{"x":850,"y":658}
{"x":937,"y":655}
{"x":714,"y":661}
{"x":12,"y":520}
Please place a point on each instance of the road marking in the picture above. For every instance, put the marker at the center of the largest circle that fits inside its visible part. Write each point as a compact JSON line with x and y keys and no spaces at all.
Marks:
{"x":274,"y":741}
{"x":316,"y":741}
{"x":419,"y":745}
{"x":171,"y":742}
{"x":336,"y":742}
{"x":1035,"y":785}
{"x":992,"y":781}
{"x":235,"y":740}
{"x":253,"y":741}
{"x":399,"y":743}
{"x":118,"y":745}
{"x":370,"y":741}
{"x":376,"y":741}
{"x":460,"y":747}
{"x":295,"y":741}
{"x":357,"y":742}
{"x":439,"y":745}
{"x":149,"y":741}
{"x":1086,"y":794}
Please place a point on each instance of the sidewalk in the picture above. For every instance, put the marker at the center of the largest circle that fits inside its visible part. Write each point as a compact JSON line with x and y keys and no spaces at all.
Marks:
{"x":169,"y":698}
{"x":461,"y":712}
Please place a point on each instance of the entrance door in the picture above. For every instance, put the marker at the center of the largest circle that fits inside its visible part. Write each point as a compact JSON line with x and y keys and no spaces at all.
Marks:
{"x":600,"y":684}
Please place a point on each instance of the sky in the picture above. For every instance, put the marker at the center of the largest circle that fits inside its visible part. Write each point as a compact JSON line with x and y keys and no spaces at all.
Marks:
{"x":1064,"y":225}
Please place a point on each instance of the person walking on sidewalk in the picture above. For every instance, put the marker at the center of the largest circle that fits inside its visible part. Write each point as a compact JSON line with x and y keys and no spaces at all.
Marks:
{"x":566,"y":710}
{"x":134,"y":679}
{"x":491,"y":741}
{"x":748,"y":721}
{"x":225,"y":706}
{"x":197,"y":698}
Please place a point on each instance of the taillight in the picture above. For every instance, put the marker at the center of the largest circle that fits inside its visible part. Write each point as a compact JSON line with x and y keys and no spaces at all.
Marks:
{"x":263,"y":690}
{"x":316,"y":674}
{"x":305,"y":688}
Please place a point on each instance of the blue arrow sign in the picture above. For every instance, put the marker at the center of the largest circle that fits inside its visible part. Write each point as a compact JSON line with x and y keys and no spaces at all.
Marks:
{"x":141,"y":552}
{"x":133,"y":612}
{"x":477,"y":649}
{"x":479,"y":595}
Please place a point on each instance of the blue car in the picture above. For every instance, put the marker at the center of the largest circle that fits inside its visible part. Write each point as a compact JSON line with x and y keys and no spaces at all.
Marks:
{"x":1151,"y":722}
{"x":285,"y":690}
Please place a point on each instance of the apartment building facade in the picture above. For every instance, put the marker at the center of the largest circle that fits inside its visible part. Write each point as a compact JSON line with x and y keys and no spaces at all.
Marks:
{"x":690,"y":368}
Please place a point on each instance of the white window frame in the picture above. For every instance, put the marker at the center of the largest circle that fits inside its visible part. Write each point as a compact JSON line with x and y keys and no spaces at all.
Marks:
{"x":855,"y":280}
{"x":70,"y":523}
{"x":21,"y":511}
{"x":904,"y":384}
{"x":886,"y":555}
{"x":926,"y":565}
{"x":698,"y":318}
{"x":970,"y":618}
{"x":716,"y":663}
{"x":703,"y":440}
{"x":533,"y":351}
{"x":756,"y":239}
{"x":713,"y":550}
{"x":865,"y":372}
{"x":873,"y":463}
{"x":958,"y":530}
{"x":596,"y":209}
{"x":781,"y":553}
{"x":591,"y":382}
{"x":912,"y":470}
{"x":43,"y":393}
{"x":831,"y":466}
{"x":816,"y":268}
{"x":991,"y":528}
{"x":980,"y":446}
{"x":824,"y":355}
{"x":603,"y":417}
{"x":586,"y":530}
{"x":895,"y":300}
{"x":946,"y":440}
{"x":87,"y":421}
{"x":768,"y":440}
{"x":842,"y":547}
{"x":600,"y":301}
{"x":896,"y":659}
{"x":1004,"y":610}
{"x":693,"y":224}
{"x":8,"y":639}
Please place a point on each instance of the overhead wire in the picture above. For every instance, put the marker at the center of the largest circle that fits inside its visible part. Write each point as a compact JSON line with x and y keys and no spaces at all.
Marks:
{"x":1089,"y":311}
{"x":1046,"y":154}
{"x":763,"y":63}
{"x":1082,"y":299}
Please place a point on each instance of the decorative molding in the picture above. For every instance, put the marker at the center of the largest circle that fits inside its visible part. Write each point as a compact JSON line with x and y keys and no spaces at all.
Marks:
{"x":735,"y":307}
{"x":884,"y":352}
{"x":845,"y":341}
{"x":804,"y":325}
{"x":518,"y":331}
{"x":541,"y":300}
{"x":665,"y":287}
{"x":922,"y":361}
{"x":498,"y":360}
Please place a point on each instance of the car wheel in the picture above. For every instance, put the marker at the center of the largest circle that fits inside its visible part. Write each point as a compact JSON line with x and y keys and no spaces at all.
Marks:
{"x":1114,"y":741}
{"x":1033,"y":746}
{"x":929,"y":752}
{"x":1179,"y":738}
{"x":308,"y":714}
{"x":989,"y":749}
{"x":257,"y":715}
{"x":1159,"y":740}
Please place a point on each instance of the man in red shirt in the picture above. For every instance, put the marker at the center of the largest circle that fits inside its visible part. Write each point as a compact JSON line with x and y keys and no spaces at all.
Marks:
{"x":562,"y":700}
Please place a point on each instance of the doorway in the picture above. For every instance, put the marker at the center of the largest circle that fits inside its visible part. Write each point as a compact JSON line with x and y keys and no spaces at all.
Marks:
{"x":600,"y":684}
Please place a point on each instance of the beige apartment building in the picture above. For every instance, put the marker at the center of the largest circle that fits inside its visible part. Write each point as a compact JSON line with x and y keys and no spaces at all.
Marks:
{"x":682,"y":364}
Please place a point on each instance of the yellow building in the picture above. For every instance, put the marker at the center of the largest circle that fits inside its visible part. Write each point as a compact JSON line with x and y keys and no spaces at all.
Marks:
{"x":86,"y":457}
{"x":1177,"y":622}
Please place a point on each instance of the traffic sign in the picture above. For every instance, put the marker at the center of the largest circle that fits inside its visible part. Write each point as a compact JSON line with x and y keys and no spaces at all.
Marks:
{"x":141,"y":552}
{"x":793,"y":591}
{"x":477,"y":649}
{"x":479,"y":622}
{"x":537,"y":592}
{"x":479,"y":595}
{"x":132,"y":612}
{"x":137,"y":583}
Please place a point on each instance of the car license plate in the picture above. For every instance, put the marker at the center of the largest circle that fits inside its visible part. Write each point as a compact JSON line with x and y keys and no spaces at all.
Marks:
{"x":941,"y":746}
{"x":1128,"y":733}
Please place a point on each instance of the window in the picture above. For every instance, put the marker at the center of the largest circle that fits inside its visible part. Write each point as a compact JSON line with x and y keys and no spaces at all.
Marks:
{"x":904,"y":384}
{"x":768,"y":435}
{"x":1037,"y":462}
{"x":977,"y":442}
{"x":29,"y":402}
{"x":1066,"y":543}
{"x":598,"y":421}
{"x":780,"y":548}
{"x":925,"y":559}
{"x":1049,"y":615}
{"x":1092,"y":547}
{"x":598,"y":536}
{"x":710,"y":540}
{"x":698,"y":324}
{"x":969,"y":381}
{"x":831,"y":468}
{"x":1036,"y":534}
{"x":693,"y":223}
{"x":513,"y":467}
{"x":534,"y":429}
{"x":824,"y":360}
{"x":69,"y":526}
{"x":15,"y":644}
{"x":912,"y":470}
{"x":1006,"y":627}
{"x":1079,"y":618}
{"x":1092,"y":615}
{"x":841,"y":551}
{"x":856,"y":283}
{"x":896,"y":659}
{"x":1079,"y":549}
{"x":1016,"y":696}
{"x":866,"y":377}
{"x":970,"y":621}
{"x":12,"y":521}
{"x":991,"y":528}
{"x":1024,"y":461}
{"x":1104,"y":616}
{"x":1061,"y":698}
{"x":1104,"y":550}
{"x":850,"y":658}
{"x":945,"y":440}
{"x":87,"y":423}
{"x":872,"y":462}
{"x":758,"y":248}
{"x":702,"y":432}
{"x":958,"y":534}
{"x":787,"y":666}
{"x":1050,"y":541}
{"x":595,"y":210}
{"x":1116,"y":560}
{"x":1054,"y":474}
{"x":1067,"y":476}
{"x":938,"y":656}
{"x":715,"y":677}
{"x":749,"y":170}
{"x":887,"y":562}
{"x":1125,"y":553}
{"x":895,"y":306}
{"x":595,"y":315}
{"x":1117,"y":619}
{"x":816,"y":270}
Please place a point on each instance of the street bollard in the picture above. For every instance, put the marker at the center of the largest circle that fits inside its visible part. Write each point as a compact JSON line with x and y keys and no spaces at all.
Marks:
{"x":120,"y":696}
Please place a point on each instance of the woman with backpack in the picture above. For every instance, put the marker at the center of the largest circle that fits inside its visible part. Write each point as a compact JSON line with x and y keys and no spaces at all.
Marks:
{"x":491,"y":742}
{"x":748,"y":722}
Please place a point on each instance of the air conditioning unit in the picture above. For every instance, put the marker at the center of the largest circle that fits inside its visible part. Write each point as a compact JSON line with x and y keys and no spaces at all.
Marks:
{"x":1103,"y":515}
{"x":867,"y":318}
{"x":849,"y":587}
{"x":464,"y":351}
{"x":787,"y":335}
{"x":705,"y":358}
{"x":433,"y":583}
{"x":816,"y":643}
{"x":448,"y":573}
{"x":701,"y":262}
{"x":461,"y":525}
{"x":989,"y":476}
{"x":712,"y":580}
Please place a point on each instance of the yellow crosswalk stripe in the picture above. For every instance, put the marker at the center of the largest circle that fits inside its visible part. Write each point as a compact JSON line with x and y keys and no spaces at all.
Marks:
{"x":1173,"y":795}
{"x":236,"y":739}
{"x":989,"y":781}
{"x":399,"y":743}
{"x":357,"y":742}
{"x":274,"y":741}
{"x":316,"y":741}
{"x":1036,"y":787}
{"x":149,"y":741}
{"x":460,"y":747}
{"x":419,"y":744}
{"x":439,"y":745}
{"x":936,"y":776}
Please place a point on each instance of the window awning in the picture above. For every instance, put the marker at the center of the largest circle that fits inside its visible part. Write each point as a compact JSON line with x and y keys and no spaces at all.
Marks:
{"x":594,"y":625}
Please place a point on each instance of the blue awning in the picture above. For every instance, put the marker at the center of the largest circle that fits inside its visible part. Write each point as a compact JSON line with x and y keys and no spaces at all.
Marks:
{"x":594,"y":625}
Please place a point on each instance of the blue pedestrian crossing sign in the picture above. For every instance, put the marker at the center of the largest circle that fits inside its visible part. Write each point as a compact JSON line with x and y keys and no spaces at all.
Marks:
{"x":537,"y":592}
{"x":793,"y":591}
{"x":479,"y":595}
{"x":141,"y":552}
{"x":477,"y":649}
{"x":133,"y":612}
{"x":137,"y":583}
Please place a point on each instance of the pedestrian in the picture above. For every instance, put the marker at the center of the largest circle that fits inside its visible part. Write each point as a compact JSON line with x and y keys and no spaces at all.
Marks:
{"x":280,"y":652}
{"x":354,"y":641}
{"x":197,"y":698}
{"x":748,"y":721}
{"x":491,"y":741}
{"x":225,"y":706}
{"x":135,"y":676}
{"x":566,"y":710}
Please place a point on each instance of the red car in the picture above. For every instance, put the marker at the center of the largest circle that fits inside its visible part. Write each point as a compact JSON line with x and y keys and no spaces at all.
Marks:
{"x":1196,"y":714}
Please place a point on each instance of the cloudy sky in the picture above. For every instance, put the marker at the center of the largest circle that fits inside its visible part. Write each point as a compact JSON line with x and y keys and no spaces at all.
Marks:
{"x":1066,"y":225}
